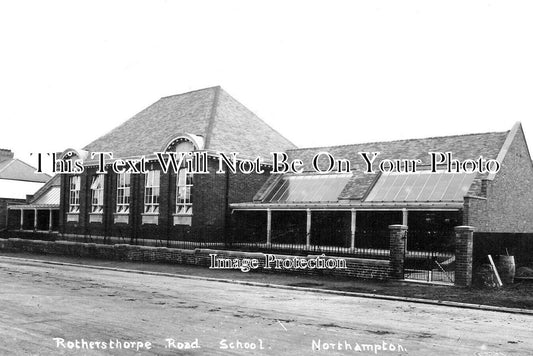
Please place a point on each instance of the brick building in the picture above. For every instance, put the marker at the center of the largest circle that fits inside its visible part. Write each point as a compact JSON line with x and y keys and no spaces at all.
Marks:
{"x":311,"y":208}
{"x":396,"y":221}
{"x":17,"y":180}
{"x":173,"y":205}
{"x":354,"y":209}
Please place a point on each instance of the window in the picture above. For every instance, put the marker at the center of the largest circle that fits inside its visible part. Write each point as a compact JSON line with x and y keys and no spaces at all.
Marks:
{"x":97,"y":194}
{"x":308,"y":188}
{"x":123,"y":193}
{"x":421,"y":186}
{"x":183,"y":212}
{"x":151,"y":193}
{"x":74,"y":195}
{"x":183,"y":192}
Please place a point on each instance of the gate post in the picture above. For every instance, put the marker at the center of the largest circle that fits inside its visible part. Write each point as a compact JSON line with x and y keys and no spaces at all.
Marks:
{"x":464,"y":242}
{"x":397,"y":235}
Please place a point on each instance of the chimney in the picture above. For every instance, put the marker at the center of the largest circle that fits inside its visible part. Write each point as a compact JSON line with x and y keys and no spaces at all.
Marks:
{"x":5,"y":154}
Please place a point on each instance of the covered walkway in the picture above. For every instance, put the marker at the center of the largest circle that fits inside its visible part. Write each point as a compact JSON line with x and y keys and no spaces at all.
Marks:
{"x":311,"y":209}
{"x":41,"y":213}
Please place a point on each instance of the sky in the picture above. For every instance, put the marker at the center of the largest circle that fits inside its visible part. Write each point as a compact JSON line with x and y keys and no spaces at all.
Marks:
{"x":320,"y":72}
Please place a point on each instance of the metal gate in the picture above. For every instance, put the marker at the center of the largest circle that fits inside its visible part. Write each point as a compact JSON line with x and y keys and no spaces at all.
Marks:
{"x":430,"y":257}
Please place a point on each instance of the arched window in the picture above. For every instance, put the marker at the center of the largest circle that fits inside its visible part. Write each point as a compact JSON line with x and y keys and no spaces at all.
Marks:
{"x":184,"y":183}
{"x":184,"y":146}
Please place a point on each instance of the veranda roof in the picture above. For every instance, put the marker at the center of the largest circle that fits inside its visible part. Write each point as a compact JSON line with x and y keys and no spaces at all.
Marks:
{"x":422,"y":186}
{"x":317,"y":188}
{"x":347,"y":206}
{"x":392,"y":191}
{"x":387,"y":191}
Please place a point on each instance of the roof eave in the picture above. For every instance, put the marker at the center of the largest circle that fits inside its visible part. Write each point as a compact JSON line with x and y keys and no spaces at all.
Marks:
{"x":33,"y":206}
{"x":453,"y":205}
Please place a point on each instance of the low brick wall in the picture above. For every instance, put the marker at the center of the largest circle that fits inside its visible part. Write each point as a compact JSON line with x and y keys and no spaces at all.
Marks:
{"x":355,"y":267}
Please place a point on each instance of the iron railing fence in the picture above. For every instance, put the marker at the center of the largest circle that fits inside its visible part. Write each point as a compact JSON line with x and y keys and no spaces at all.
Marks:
{"x":430,"y":256}
{"x":282,"y":242}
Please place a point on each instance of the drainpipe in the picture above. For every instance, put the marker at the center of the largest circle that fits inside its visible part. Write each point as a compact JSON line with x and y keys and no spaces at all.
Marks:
{"x":226,"y":212}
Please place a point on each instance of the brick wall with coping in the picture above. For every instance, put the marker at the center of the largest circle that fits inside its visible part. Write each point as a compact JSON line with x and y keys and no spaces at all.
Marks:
{"x":356,"y":267}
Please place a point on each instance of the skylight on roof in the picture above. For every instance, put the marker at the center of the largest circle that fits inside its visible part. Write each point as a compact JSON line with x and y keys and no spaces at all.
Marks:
{"x":317,"y":188}
{"x":422,"y":186}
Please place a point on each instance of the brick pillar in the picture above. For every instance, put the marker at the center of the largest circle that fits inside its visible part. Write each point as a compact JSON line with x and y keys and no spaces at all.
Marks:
{"x":464,"y":242}
{"x":398,"y":234}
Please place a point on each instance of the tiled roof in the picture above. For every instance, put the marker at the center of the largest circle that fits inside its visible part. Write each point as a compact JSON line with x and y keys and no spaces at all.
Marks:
{"x":15,"y":169}
{"x":5,"y":163}
{"x":357,"y":186}
{"x":49,"y":198}
{"x":463,"y":147}
{"x":224,"y":123}
{"x":48,"y":193}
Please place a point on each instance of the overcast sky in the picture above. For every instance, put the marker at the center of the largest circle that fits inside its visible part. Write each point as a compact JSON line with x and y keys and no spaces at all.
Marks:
{"x":320,"y":72}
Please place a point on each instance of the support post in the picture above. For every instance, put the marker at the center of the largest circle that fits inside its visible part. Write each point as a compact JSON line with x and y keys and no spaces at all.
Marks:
{"x":398,"y":233}
{"x":269,"y":226}
{"x":21,"y":218}
{"x":464,"y":243}
{"x":34,"y":219}
{"x":404,"y":217}
{"x":308,"y":229}
{"x":50,"y":221}
{"x":353,"y":229}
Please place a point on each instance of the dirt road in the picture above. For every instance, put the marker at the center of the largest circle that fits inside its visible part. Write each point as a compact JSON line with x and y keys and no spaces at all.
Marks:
{"x":50,"y":310}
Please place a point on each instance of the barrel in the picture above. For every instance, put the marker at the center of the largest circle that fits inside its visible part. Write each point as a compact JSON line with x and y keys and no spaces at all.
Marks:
{"x":506,"y":269}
